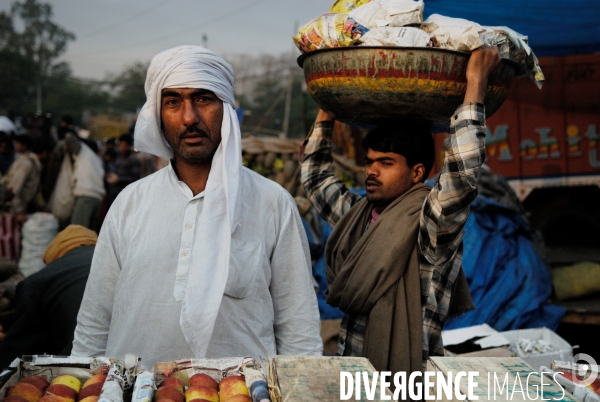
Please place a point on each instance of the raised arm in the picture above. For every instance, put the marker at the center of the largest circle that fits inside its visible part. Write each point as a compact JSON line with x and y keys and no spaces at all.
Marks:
{"x":446,"y":208}
{"x":325,"y":191}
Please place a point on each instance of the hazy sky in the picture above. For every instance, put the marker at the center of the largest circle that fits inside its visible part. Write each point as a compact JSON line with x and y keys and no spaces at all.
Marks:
{"x":111,"y":34}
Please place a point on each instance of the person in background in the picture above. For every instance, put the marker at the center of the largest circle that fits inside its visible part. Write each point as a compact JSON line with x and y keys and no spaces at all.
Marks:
{"x":147,"y":163}
{"x":65,"y":126}
{"x":23,"y":179}
{"x":127,"y":168}
{"x":88,"y":182}
{"x":7,"y":152}
{"x":47,"y":302}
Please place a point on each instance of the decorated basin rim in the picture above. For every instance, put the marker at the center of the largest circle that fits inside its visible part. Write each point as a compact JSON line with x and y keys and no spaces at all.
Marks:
{"x":365,"y":85}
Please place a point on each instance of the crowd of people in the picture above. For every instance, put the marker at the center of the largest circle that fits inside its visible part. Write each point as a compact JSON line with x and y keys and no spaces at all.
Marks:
{"x":74,"y":178}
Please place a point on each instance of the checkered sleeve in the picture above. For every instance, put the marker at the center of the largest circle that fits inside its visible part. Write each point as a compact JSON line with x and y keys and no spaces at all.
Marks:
{"x":326,"y":192}
{"x":446,"y":208}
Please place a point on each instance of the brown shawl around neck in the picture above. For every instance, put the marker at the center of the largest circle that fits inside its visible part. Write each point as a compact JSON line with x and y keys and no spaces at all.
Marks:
{"x":376,"y":272}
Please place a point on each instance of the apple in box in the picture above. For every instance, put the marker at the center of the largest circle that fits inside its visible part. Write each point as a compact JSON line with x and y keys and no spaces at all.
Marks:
{"x":26,"y":391}
{"x":63,"y":391}
{"x":95,"y":379}
{"x":234,"y":385}
{"x":204,"y":380}
{"x":237,"y":398}
{"x":172,"y":382}
{"x":38,"y":381}
{"x":69,"y":381}
{"x":51,"y":398}
{"x":168,"y":392}
{"x":196,"y":392}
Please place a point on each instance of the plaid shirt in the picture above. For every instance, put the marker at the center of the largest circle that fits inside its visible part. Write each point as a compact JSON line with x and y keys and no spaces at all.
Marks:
{"x":443,"y":217}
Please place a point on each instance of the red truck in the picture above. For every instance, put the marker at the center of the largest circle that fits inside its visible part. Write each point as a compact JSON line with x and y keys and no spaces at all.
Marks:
{"x":546,"y":143}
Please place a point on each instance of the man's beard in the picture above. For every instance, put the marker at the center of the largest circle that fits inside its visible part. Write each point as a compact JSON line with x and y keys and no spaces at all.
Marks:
{"x":196,"y":154}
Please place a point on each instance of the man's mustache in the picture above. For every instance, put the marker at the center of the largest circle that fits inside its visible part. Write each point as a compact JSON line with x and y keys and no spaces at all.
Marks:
{"x":194,"y":130}
{"x":373,"y":180}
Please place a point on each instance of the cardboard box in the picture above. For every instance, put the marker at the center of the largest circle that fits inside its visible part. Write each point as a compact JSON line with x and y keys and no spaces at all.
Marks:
{"x":50,"y":367}
{"x":217,"y":369}
{"x":564,"y":350}
{"x":317,"y":378}
{"x":513,"y":369}
{"x":476,"y":341}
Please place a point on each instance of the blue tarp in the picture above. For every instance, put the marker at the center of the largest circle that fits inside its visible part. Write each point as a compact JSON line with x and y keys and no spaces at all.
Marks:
{"x":317,"y":251}
{"x":554,"y":27}
{"x":509,"y":283}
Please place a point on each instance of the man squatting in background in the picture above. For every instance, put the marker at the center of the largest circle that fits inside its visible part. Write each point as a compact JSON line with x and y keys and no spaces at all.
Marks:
{"x":394,"y":257}
{"x":203,"y":258}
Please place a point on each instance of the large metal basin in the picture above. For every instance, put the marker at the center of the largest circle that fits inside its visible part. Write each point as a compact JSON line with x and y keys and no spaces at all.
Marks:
{"x":364,"y":85}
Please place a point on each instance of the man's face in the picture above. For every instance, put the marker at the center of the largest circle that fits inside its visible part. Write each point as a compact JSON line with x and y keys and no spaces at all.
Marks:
{"x":388,"y":177}
{"x":191,"y":121}
{"x":124,"y":147}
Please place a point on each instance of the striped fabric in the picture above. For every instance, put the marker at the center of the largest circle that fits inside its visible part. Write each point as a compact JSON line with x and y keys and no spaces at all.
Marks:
{"x":444,"y":214}
{"x":10,"y":237}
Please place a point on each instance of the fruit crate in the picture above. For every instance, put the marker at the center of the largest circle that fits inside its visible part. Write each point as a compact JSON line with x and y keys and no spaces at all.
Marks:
{"x":239,"y":373}
{"x":51,"y":367}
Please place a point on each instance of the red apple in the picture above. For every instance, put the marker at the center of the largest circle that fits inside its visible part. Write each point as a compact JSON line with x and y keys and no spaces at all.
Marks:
{"x":203,"y":380}
{"x":172,"y":382}
{"x":40,"y":382}
{"x":15,"y":398}
{"x":90,"y":390}
{"x":197,"y":392}
{"x":98,"y":378}
{"x":168,"y":392}
{"x":62,"y":390}
{"x":200,"y":400}
{"x":52,"y":398}
{"x":238,"y":398}
{"x":91,"y":398}
{"x":234,"y":385}
{"x":67,"y":380}
{"x":25,"y":390}
{"x":163,"y":400}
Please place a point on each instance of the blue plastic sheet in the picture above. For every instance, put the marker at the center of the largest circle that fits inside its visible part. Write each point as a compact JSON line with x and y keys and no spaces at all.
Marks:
{"x":554,"y":27}
{"x":317,"y":252}
{"x":509,"y":282}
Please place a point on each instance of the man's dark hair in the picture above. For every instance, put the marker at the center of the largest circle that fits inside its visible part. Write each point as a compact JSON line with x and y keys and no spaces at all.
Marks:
{"x":25,"y":140}
{"x":127,"y":138}
{"x":5,"y":139}
{"x":112,"y":153}
{"x":42,"y":145}
{"x":67,"y":119}
{"x":409,"y":138}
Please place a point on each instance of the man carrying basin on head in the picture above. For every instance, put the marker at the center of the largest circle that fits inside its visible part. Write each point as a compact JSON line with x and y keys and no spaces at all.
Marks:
{"x":394,"y":257}
{"x":203,"y":258}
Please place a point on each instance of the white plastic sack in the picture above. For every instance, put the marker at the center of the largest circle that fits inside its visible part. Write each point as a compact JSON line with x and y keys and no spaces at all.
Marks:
{"x":36,"y":234}
{"x":395,"y":36}
{"x":394,"y":13}
{"x":62,"y":199}
{"x":454,"y":33}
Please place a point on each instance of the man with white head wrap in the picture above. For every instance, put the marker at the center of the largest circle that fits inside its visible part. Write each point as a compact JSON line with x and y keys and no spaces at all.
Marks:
{"x":204,"y":258}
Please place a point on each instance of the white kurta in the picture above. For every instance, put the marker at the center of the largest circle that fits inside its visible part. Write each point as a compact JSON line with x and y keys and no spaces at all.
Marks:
{"x":142,"y":258}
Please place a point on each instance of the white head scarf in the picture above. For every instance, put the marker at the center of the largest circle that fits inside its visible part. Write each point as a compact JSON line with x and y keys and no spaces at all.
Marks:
{"x":197,"y":67}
